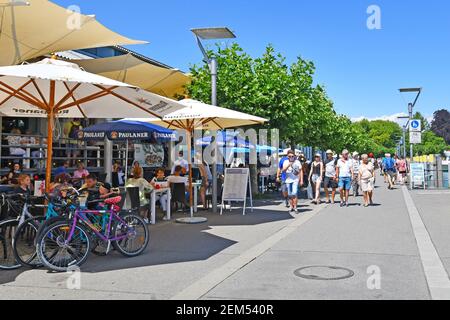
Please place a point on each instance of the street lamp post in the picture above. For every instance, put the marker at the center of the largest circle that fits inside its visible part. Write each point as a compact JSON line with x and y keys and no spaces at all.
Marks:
{"x":212,"y":34}
{"x":411,"y":106}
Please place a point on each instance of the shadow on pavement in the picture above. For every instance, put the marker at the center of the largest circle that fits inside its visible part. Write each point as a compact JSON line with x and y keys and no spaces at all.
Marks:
{"x":9,"y":276}
{"x":172,"y":243}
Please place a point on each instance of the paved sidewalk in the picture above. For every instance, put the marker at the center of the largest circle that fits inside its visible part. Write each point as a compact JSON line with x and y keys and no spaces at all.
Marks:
{"x":255,"y":257}
{"x":355,"y":238}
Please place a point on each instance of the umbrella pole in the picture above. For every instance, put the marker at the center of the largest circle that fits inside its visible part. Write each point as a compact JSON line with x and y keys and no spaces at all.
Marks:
{"x":192,"y":219}
{"x":51,"y":121}
{"x":191,"y":196}
{"x":126,"y":162}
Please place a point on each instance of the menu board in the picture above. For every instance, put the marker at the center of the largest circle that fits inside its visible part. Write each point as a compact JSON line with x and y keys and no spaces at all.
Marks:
{"x":418,"y":175}
{"x":149,"y":155}
{"x":236,"y":187}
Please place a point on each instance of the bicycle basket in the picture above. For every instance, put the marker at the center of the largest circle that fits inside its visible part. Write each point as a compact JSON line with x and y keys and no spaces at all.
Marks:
{"x":82,"y":200}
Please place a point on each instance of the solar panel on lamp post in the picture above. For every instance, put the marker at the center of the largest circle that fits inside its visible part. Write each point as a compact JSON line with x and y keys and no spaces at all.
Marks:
{"x":214,"y":33}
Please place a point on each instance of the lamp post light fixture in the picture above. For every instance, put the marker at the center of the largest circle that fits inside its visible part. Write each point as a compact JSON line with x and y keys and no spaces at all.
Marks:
{"x":214,"y":33}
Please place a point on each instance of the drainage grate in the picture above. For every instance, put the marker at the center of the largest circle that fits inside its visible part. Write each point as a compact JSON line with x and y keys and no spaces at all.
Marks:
{"x":324,"y":273}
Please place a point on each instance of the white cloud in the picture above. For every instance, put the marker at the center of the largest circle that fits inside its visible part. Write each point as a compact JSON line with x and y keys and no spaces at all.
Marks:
{"x":393,"y":118}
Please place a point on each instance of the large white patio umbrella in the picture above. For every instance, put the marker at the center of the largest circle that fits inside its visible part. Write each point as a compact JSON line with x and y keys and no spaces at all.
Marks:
{"x":129,"y":69}
{"x":200,"y":116}
{"x":33,"y":28}
{"x":57,"y":89}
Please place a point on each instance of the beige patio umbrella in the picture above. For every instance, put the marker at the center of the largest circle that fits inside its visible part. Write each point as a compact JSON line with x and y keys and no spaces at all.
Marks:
{"x":42,"y":27}
{"x":200,"y":116}
{"x":57,"y":89}
{"x":127,"y":68}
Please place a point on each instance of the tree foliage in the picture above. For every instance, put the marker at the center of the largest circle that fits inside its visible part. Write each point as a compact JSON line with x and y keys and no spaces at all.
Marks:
{"x":285,"y":94}
{"x":441,"y":124}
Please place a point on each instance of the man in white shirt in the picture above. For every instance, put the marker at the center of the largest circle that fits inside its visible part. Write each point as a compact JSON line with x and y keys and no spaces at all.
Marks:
{"x":180,"y":162}
{"x":344,"y":172}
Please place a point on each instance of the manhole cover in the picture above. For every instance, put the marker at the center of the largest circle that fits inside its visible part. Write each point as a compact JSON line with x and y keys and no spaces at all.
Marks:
{"x":324,"y":273}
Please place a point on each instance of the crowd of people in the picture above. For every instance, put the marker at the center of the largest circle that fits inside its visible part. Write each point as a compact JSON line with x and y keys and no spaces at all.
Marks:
{"x":346,"y":174}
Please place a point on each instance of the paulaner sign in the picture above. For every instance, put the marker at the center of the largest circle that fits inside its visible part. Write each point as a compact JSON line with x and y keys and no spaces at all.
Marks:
{"x":23,"y":111}
{"x":117,"y":135}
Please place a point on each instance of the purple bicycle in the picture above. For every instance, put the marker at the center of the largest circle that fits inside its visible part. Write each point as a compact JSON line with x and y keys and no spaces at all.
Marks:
{"x":66,"y":244}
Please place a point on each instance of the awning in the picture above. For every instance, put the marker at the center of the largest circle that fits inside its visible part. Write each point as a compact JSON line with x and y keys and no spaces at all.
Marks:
{"x":28,"y":32}
{"x":127,"y":68}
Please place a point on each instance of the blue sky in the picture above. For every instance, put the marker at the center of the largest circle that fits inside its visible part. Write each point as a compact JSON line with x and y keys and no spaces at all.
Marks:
{"x":361,"y":68}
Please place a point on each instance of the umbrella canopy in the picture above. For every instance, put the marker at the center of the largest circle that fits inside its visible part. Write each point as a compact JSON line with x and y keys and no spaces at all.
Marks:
{"x":127,"y":130}
{"x":43,"y":27}
{"x":200,"y":116}
{"x":53,"y":88}
{"x":225,"y":138}
{"x":197,"y":115}
{"x":127,"y":68}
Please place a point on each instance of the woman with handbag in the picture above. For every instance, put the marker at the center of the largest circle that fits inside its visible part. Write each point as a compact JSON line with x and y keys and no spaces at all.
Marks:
{"x":366,"y":176}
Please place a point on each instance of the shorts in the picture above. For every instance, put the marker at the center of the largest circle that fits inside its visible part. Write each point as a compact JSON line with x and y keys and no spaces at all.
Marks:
{"x":292,"y":189}
{"x":284,"y":187}
{"x":315,"y":179}
{"x":345,"y":183}
{"x":330,"y":183}
{"x":392,"y":174}
{"x":367,"y":185}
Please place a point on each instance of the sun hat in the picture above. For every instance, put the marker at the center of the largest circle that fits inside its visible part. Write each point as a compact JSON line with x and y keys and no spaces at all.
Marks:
{"x":355,"y":153}
{"x":330,"y":152}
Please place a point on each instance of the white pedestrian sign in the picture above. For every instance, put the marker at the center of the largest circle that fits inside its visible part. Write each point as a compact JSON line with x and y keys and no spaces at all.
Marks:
{"x":415,"y":132}
{"x":416,"y":126}
{"x":415,"y":137}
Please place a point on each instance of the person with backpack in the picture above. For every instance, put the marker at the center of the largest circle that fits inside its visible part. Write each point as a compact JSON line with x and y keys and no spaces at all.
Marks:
{"x":389,"y":170}
{"x":294,"y":179}
{"x":72,"y":130}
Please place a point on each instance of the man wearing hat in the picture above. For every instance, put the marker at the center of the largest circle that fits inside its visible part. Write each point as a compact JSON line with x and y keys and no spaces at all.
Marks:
{"x":331,"y":180}
{"x":355,"y":182}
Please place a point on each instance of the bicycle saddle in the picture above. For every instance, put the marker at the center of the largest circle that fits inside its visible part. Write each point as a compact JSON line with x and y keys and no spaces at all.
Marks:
{"x":113,"y":201}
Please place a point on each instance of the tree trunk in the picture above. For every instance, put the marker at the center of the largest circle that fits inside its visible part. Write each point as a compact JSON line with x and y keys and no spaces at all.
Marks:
{"x":254,"y":179}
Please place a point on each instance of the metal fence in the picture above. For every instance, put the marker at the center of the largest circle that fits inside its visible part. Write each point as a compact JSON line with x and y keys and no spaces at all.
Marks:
{"x":31,"y":152}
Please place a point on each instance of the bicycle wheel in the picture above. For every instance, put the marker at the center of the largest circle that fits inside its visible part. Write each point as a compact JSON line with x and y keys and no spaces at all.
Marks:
{"x":24,"y":243}
{"x":7,"y":231}
{"x":137,"y":236}
{"x":56,"y":253}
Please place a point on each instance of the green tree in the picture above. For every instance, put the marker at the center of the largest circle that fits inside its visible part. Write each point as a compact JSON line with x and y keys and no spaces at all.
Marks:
{"x":269,"y":88}
{"x":431,"y":144}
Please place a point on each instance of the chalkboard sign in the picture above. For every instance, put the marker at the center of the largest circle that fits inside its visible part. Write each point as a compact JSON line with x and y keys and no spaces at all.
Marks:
{"x":236,"y":187}
{"x":418,"y":175}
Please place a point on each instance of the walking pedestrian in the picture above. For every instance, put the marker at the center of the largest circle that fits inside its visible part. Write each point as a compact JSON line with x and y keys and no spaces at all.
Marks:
{"x":281,"y":179}
{"x":344,"y":170}
{"x":294,"y":178}
{"x":402,"y":168}
{"x":315,"y":177}
{"x":366,"y":176}
{"x":355,"y":181}
{"x":389,"y":170}
{"x":331,"y":179}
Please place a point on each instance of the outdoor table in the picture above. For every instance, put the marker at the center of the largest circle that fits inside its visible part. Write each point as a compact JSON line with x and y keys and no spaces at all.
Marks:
{"x":263,"y":187}
{"x":197,"y":186}
{"x":153,"y":195}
